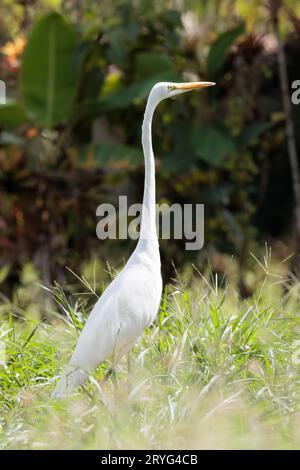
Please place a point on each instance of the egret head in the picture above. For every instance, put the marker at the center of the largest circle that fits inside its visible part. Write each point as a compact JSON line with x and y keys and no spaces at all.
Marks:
{"x":163,"y":90}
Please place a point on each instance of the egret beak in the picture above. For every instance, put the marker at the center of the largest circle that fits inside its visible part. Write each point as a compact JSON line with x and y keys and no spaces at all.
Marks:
{"x":193,"y":85}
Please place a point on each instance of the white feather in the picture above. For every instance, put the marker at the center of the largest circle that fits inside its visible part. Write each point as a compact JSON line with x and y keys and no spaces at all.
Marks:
{"x":130,"y":302}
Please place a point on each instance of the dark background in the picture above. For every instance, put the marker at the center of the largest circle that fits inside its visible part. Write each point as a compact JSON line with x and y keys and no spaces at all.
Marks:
{"x":68,"y":145}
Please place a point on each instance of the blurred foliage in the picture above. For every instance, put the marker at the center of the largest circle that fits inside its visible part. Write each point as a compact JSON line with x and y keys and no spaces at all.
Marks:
{"x":77,"y":81}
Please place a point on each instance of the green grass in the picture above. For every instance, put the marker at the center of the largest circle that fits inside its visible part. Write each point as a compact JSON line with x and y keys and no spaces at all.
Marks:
{"x":214,"y":371}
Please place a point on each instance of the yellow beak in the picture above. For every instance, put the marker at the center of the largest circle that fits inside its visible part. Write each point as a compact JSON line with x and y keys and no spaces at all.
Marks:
{"x":193,"y":85}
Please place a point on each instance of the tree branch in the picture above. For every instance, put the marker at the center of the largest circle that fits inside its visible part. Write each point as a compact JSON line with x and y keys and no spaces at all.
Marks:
{"x":275,"y":6}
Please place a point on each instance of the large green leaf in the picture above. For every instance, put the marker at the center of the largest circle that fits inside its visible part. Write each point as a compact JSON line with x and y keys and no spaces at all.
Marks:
{"x":218,"y":50}
{"x":12,"y":115}
{"x":48,"y":76}
{"x":212,"y":144}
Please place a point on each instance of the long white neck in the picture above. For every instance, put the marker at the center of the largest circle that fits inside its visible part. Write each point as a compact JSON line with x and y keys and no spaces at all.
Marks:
{"x":148,"y":235}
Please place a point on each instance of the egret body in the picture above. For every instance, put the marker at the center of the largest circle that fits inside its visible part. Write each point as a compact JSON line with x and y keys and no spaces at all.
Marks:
{"x":130,"y":303}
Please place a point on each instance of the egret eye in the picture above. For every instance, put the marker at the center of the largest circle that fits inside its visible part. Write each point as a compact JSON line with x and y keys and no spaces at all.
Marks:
{"x":170,"y":88}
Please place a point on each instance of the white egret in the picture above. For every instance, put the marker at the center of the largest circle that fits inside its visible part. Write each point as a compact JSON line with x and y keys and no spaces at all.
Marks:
{"x":130,"y":302}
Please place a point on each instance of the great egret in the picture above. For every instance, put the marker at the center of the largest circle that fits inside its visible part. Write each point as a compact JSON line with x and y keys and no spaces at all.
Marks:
{"x":130,"y":302}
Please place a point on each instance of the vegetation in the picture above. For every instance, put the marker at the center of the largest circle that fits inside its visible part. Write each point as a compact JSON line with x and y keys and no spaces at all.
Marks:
{"x":212,"y":372}
{"x":70,"y":135}
{"x":220,"y":366}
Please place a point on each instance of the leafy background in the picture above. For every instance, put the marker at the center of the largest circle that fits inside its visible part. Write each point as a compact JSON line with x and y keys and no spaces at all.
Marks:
{"x":78,"y":75}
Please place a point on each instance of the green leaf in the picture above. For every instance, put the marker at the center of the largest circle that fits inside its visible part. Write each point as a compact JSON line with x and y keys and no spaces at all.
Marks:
{"x":214,"y":316}
{"x":48,"y":75}
{"x":124,"y":97}
{"x":150,"y":68}
{"x":171,"y":18}
{"x":107,"y":153}
{"x":218,"y":50}
{"x":12,"y":115}
{"x":152,"y":64}
{"x":251,"y":133}
{"x":116,"y":37}
{"x":212,"y":144}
